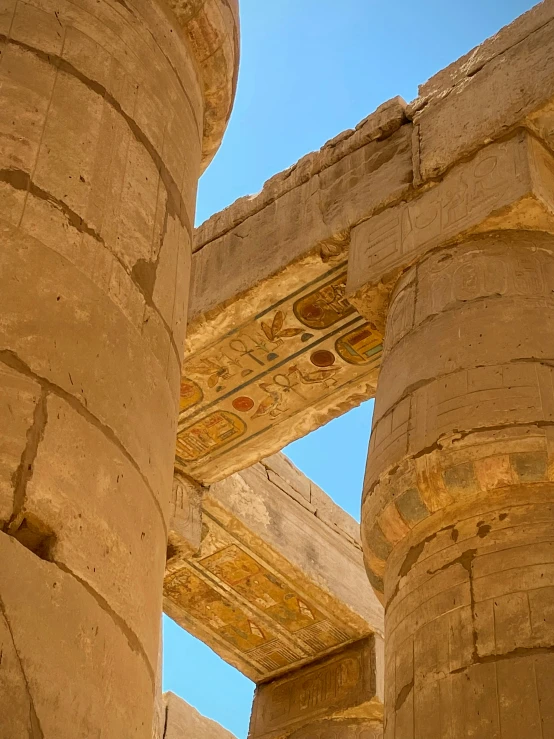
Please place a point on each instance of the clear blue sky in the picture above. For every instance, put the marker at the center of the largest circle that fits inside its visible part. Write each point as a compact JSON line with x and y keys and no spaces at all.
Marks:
{"x":309,"y":70}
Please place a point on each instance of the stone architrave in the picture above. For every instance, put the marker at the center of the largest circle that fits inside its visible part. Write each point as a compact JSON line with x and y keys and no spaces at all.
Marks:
{"x":333,"y":697}
{"x":108,"y":112}
{"x":278,"y":580}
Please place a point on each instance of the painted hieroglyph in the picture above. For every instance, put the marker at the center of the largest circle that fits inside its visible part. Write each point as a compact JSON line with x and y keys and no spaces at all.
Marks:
{"x":247,"y":610}
{"x":303,"y":350}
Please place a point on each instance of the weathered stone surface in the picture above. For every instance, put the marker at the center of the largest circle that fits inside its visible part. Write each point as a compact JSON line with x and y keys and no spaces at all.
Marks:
{"x":279,"y":578}
{"x":185,"y":522}
{"x":507,"y":185}
{"x":19,"y":397}
{"x":102,"y":106}
{"x":333,"y":697}
{"x":212,"y":27}
{"x":486,"y":93}
{"x":119,"y":521}
{"x":62,"y":676}
{"x":457,"y":521}
{"x":183,"y":721}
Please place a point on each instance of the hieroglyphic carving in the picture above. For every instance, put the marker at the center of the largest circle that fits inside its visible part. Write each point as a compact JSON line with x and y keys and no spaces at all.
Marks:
{"x":212,"y":432}
{"x":249,"y":606}
{"x":325,"y":306}
{"x":498,"y":176}
{"x":360,"y":346}
{"x":339,"y":682}
{"x":190,"y":395}
{"x":300,"y":351}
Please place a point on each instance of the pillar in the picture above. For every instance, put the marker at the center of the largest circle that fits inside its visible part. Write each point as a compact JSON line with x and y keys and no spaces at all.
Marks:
{"x":458,"y":507}
{"x":338,"y":697}
{"x":105,"y":109}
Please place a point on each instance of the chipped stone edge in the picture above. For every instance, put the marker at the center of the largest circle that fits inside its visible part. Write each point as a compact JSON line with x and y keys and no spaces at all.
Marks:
{"x":379,"y":125}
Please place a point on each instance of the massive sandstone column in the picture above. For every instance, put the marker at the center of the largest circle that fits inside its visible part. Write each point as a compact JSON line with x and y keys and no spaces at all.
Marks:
{"x":459,"y":492}
{"x":108,"y":111}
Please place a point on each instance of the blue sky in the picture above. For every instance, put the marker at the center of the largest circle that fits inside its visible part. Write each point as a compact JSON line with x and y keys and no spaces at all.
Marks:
{"x":309,"y":70}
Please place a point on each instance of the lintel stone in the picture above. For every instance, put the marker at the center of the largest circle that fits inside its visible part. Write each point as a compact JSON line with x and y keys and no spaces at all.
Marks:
{"x":279,"y":579}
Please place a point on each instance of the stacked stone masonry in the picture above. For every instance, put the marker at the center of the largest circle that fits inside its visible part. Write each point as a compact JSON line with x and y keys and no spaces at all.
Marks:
{"x":103,"y":108}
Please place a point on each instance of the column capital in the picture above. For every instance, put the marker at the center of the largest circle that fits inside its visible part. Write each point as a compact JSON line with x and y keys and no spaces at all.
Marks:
{"x":212,"y":28}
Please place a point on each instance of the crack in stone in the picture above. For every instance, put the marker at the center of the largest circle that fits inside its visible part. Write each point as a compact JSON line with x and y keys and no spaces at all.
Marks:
{"x":132,"y":639}
{"x":465,"y":559}
{"x":24,"y":472}
{"x":144,"y":275}
{"x":411,"y":559}
{"x":173,"y":193}
{"x":415,"y":552}
{"x":514,"y":654}
{"x":34,"y":721}
{"x":11,"y":360}
{"x":21,"y":180}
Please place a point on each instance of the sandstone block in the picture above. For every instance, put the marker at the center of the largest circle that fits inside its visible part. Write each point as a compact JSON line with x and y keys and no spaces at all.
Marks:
{"x":334,"y":694}
{"x":97,"y":517}
{"x":274,"y":584}
{"x":486,"y":93}
{"x":185,"y":522}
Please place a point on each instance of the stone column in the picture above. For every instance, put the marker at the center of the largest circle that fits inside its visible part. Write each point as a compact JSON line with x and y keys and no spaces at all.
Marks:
{"x":459,"y":493}
{"x":103,"y":119}
{"x":336,"y":697}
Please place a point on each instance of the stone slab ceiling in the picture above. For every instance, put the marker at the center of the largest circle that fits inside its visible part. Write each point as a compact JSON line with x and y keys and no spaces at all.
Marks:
{"x":283,"y":335}
{"x":269,"y":573}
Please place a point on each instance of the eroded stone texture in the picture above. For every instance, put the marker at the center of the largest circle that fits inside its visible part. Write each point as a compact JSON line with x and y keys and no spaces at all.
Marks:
{"x":278,"y":580}
{"x":335,"y":697}
{"x":102,"y":114}
{"x":212,"y":27}
{"x":184,"y":722}
{"x":457,"y":514}
{"x":54,"y":665}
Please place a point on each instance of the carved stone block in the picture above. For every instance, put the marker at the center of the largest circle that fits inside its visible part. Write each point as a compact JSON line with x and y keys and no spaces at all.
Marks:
{"x":504,"y":186}
{"x":342,"y":686}
{"x":185,"y":525}
{"x":276,"y":583}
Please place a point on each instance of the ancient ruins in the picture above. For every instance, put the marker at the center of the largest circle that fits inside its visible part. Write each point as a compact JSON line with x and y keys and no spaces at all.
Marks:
{"x":410,"y":260}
